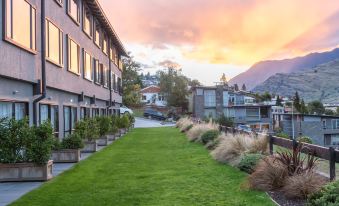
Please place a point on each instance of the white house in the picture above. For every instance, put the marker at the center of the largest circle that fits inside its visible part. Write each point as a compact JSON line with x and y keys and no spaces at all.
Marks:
{"x":152,"y":96}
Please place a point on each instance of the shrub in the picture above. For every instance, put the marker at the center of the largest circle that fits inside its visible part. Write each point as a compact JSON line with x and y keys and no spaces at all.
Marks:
{"x":13,"y":137}
{"x":283,"y":135}
{"x":184,"y":123}
{"x":305,"y":139}
{"x":40,"y":143}
{"x":82,"y":128}
{"x":328,"y":195}
{"x":268,"y":175}
{"x":232,"y":147}
{"x":198,"y":130}
{"x":224,"y":121}
{"x":104,"y":124}
{"x":249,"y":162}
{"x":302,"y":185}
{"x":186,"y":129}
{"x":73,"y":141}
{"x":123,"y":122}
{"x":209,"y":136}
{"x":92,"y":131}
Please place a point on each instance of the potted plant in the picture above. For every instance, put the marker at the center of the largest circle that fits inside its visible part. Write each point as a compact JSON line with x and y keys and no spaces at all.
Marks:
{"x":25,"y":151}
{"x":123,"y":124}
{"x":68,"y":151}
{"x":104,"y":124}
{"x":88,"y":130}
{"x":112,"y":134}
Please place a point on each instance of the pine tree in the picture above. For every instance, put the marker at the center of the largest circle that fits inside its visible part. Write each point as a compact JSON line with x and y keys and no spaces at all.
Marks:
{"x":243,"y":88}
{"x":223,"y":78}
{"x":296,"y":102}
{"x":236,"y":87}
{"x":279,"y":101}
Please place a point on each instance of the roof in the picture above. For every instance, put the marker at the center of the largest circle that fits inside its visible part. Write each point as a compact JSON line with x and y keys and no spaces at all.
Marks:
{"x":151,"y":89}
{"x":100,"y":15}
{"x":311,"y":115}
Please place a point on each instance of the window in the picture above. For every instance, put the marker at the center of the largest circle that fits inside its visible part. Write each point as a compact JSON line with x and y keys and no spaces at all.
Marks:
{"x":87,"y":22}
{"x":209,"y":97}
{"x":121,"y":65}
{"x":104,"y":44}
{"x":264,"y":112}
{"x":50,"y":112}
{"x":105,"y":75}
{"x":103,"y":112}
{"x":95,"y":112}
{"x":112,"y":53}
{"x":85,"y":112}
{"x":113,"y":86}
{"x":73,"y":10}
{"x":73,"y":56}
{"x":200,"y":92}
{"x":97,"y":72}
{"x":144,"y":97}
{"x":97,"y":37}
{"x":252,"y":113}
{"x":70,"y":118}
{"x":119,"y":85}
{"x":54,"y":43}
{"x":15,"y":110}
{"x":335,"y":139}
{"x":20,"y":18}
{"x":335,"y":123}
{"x":225,"y":98}
{"x":88,"y":66}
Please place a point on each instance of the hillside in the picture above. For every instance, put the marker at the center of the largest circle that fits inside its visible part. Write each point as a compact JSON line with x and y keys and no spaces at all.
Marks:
{"x":261,"y":71}
{"x":318,"y":83}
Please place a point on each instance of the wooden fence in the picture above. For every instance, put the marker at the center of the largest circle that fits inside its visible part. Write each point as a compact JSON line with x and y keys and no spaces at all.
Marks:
{"x":330,"y":154}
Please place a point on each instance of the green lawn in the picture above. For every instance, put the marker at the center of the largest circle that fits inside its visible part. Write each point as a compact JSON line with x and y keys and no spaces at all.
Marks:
{"x":148,"y":167}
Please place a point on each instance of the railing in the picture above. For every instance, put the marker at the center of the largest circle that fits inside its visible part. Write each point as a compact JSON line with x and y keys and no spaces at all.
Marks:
{"x":330,"y":154}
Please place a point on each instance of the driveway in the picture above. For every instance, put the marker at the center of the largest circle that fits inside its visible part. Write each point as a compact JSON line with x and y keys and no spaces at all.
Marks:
{"x":149,"y":123}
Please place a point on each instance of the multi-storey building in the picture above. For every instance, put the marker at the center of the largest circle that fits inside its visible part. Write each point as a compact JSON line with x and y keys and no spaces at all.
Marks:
{"x":59,"y":60}
{"x":323,"y":129}
{"x":221,"y":100}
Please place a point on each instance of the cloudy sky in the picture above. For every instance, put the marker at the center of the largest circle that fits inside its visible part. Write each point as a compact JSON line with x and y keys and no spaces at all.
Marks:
{"x":207,"y":38}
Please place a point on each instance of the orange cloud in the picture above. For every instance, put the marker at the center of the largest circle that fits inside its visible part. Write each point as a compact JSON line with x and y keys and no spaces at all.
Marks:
{"x":224,"y":31}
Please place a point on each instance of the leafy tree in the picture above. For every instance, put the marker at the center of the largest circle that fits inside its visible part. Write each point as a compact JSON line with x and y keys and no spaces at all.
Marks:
{"x":194,"y":83}
{"x":279,"y":101}
{"x":266,"y":97}
{"x":330,"y":112}
{"x":303,"y":109}
{"x":236,"y":87}
{"x":131,"y":82}
{"x":296,"y":102}
{"x":316,"y":107}
{"x":174,"y":87}
{"x":243,"y":88}
{"x":338,"y":111}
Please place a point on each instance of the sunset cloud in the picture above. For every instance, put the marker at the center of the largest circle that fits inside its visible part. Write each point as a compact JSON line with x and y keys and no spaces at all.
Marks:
{"x":224,"y":32}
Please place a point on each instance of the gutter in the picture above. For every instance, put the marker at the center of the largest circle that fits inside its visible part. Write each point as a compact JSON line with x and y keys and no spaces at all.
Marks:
{"x":43,"y":63}
{"x":110,"y":75}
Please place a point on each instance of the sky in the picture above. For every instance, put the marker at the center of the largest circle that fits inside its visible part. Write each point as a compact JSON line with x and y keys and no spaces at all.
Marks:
{"x":206,"y":38}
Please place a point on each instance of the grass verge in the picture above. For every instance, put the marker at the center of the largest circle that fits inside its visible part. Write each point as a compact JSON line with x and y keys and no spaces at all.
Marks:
{"x":155,"y":166}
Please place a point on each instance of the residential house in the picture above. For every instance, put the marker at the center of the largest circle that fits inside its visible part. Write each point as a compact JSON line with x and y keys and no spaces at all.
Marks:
{"x":151,"y":95}
{"x":323,"y":129}
{"x":60,"y":61}
{"x":215,"y":101}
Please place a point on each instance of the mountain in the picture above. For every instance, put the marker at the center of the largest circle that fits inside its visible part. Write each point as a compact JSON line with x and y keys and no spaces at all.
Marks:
{"x":261,"y":71}
{"x":318,"y":83}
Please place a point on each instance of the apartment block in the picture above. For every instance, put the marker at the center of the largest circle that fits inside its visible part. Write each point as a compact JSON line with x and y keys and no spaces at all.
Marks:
{"x":215,"y":101}
{"x":60,"y":61}
{"x":323,"y":129}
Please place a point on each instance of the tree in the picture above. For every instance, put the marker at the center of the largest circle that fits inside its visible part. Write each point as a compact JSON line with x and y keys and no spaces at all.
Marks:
{"x":329,"y":112}
{"x":194,"y":83}
{"x":279,"y":101}
{"x":243,"y":88}
{"x":266,"y":97}
{"x":236,"y":87}
{"x":303,"y":108}
{"x":223,"y":78}
{"x":338,"y":111}
{"x":131,"y":82}
{"x":296,"y":101}
{"x":316,"y":107}
{"x":174,"y":87}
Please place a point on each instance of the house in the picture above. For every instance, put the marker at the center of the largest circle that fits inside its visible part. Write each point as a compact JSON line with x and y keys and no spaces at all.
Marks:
{"x":323,"y":129}
{"x":215,"y":101}
{"x":60,"y":60}
{"x":151,"y":95}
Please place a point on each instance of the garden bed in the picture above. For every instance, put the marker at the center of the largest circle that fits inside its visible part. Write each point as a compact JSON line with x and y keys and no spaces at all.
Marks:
{"x":20,"y":172}
{"x":103,"y":141}
{"x":66,"y":156}
{"x":90,"y":146}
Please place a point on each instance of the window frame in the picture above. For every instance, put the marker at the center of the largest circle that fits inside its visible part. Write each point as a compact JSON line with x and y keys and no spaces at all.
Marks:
{"x":97,"y":27}
{"x":56,"y":127}
{"x":71,"y":126}
{"x":97,"y":72}
{"x":105,"y":76}
{"x":76,"y":21}
{"x":85,"y":10}
{"x":33,"y":38}
{"x":210,"y":102}
{"x":84,"y":65}
{"x":60,"y":2}
{"x":104,"y":43}
{"x":69,"y":55}
{"x":61,"y":48}
{"x":13,"y":106}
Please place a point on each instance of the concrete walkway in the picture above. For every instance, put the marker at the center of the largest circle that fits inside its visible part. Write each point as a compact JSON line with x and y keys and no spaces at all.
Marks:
{"x":9,"y":192}
{"x":149,"y":123}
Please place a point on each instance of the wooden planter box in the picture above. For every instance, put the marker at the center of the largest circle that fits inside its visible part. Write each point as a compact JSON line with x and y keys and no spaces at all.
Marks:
{"x":90,"y":146}
{"x":103,"y":141}
{"x":66,"y":156}
{"x":21,"y":172}
{"x":122,"y":131}
{"x":111,"y":137}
